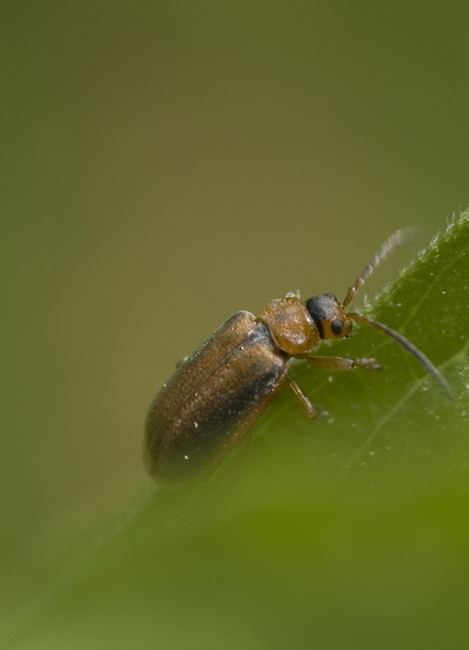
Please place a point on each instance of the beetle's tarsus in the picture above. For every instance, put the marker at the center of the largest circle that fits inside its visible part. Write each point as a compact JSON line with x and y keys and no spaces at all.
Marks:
{"x":368,"y":364}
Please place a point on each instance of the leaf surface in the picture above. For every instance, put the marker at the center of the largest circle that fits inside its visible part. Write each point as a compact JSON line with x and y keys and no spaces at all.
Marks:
{"x":351,"y":531}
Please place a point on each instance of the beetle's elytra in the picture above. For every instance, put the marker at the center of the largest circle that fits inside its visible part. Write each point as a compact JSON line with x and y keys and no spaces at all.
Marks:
{"x":216,"y":395}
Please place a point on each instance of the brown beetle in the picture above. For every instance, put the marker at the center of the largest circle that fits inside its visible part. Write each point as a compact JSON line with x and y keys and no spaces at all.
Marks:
{"x":216,"y":395}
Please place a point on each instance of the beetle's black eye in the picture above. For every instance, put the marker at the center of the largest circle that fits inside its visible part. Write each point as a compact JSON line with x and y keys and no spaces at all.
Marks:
{"x":337,"y":327}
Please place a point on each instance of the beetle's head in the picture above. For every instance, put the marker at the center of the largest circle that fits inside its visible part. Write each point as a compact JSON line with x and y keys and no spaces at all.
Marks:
{"x":329,"y":316}
{"x":334,"y":322}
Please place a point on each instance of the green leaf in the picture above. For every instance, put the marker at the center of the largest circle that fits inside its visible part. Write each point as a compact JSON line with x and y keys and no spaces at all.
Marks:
{"x":350,"y":531}
{"x":376,"y":420}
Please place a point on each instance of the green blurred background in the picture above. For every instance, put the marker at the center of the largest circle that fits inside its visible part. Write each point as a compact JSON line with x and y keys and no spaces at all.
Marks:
{"x":166,"y":164}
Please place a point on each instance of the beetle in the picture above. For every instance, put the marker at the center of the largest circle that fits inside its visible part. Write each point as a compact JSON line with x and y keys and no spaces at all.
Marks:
{"x":215,"y":396}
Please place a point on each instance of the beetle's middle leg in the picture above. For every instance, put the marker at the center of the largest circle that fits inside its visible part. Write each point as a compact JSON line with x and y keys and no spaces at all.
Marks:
{"x":338,"y":363}
{"x":306,"y":404}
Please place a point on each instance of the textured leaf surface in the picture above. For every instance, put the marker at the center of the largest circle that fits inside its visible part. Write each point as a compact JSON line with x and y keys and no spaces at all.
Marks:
{"x":351,"y":531}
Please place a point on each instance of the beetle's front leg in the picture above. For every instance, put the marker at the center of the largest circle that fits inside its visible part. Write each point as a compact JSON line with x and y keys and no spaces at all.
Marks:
{"x":338,"y":363}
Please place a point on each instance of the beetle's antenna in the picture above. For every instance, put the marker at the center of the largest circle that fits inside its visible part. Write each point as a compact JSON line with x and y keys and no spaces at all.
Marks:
{"x":399,"y":238}
{"x":407,"y":345}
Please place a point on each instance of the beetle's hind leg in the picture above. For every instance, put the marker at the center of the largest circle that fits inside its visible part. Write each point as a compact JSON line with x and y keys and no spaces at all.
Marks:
{"x":338,"y":363}
{"x":306,"y":404}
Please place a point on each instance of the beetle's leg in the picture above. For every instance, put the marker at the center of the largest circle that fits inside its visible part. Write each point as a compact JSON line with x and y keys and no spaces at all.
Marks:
{"x":338,"y":363}
{"x":306,"y":405}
